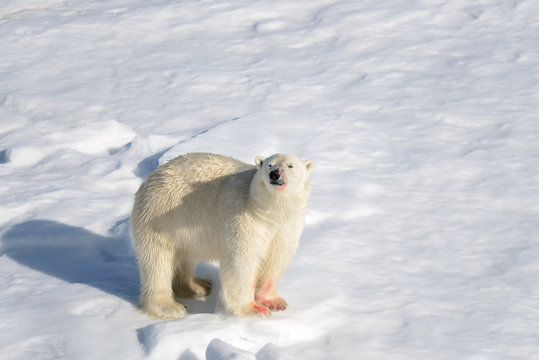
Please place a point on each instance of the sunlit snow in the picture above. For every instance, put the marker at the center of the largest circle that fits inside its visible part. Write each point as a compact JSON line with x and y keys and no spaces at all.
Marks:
{"x":422,"y":231}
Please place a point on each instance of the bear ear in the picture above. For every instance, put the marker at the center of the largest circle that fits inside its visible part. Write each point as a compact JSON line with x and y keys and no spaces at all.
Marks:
{"x":259,"y":160}
{"x":309,"y":164}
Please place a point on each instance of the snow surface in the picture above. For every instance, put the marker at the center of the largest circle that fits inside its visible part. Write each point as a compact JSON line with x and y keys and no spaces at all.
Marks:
{"x":421,"y":239}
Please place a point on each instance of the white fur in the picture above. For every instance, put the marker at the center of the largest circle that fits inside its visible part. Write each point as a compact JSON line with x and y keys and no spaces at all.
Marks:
{"x":200,"y":207}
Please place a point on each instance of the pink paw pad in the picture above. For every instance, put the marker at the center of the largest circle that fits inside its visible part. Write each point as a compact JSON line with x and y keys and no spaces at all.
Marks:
{"x":260,"y":309}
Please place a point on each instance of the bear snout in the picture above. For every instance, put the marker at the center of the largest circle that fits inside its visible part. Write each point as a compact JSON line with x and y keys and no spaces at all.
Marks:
{"x":277,"y":177}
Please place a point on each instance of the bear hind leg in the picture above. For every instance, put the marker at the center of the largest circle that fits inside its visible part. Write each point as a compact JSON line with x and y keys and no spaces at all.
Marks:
{"x":156,"y":291}
{"x":185,"y":285}
{"x":195,"y":288}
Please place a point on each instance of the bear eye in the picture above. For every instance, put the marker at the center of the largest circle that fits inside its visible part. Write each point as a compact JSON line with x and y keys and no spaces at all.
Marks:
{"x":290,"y":166}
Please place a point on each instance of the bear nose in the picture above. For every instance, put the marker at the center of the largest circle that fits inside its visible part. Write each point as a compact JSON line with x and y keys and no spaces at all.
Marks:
{"x":275,"y":175}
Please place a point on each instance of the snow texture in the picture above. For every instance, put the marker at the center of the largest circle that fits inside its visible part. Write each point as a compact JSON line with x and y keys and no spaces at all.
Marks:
{"x":421,"y":237}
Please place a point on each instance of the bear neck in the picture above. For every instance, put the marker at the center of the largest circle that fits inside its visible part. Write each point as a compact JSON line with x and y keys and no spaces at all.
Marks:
{"x":264,"y":200}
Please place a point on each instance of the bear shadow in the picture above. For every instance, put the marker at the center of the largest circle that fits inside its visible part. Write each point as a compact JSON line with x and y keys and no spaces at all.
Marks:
{"x":76,"y":255}
{"x":149,"y":164}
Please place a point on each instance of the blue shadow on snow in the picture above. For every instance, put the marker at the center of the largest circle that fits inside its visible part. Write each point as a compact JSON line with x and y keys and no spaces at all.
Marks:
{"x":76,"y":255}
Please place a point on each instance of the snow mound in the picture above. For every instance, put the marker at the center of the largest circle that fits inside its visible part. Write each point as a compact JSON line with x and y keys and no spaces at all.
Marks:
{"x":100,"y":138}
{"x":220,"y":350}
{"x":228,"y":336}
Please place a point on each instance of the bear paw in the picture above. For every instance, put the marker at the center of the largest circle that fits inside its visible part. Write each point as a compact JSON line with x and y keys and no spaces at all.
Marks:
{"x":198,"y":289}
{"x":259,"y":310}
{"x":275,"y":304}
{"x":201,"y":287}
{"x":166,"y":310}
{"x":251,"y":310}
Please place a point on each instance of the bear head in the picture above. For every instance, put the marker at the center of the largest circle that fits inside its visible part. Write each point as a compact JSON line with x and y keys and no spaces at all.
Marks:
{"x":285,"y":174}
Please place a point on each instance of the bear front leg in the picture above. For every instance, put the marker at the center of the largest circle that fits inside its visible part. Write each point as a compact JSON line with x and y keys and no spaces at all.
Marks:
{"x":281,"y":250}
{"x":238,"y":283}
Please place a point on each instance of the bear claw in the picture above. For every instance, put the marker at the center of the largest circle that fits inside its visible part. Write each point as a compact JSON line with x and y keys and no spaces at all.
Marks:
{"x":275,"y":304}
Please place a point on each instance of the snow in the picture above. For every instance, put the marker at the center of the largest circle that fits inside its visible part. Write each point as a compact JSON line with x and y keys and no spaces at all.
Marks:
{"x":422,"y":117}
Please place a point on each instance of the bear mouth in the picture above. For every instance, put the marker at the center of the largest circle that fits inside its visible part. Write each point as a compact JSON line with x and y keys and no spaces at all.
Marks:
{"x":277,"y":179}
{"x":279,"y":182}
{"x":278,"y":185}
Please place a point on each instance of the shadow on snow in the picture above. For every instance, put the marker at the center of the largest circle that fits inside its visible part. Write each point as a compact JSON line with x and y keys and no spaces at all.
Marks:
{"x":76,"y":255}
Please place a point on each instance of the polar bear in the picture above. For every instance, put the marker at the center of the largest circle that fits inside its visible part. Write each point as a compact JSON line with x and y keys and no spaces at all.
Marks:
{"x":201,"y":207}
